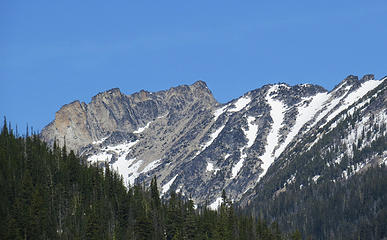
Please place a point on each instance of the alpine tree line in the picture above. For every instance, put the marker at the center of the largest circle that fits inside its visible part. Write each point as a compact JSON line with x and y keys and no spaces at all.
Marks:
{"x":48,"y":193}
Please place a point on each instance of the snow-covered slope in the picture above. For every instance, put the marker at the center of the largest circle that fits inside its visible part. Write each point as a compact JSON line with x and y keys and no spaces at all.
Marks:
{"x":343,"y":138}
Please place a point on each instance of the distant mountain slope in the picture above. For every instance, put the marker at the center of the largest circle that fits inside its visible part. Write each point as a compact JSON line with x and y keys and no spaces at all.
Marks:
{"x":339,"y":146}
{"x":330,"y":184}
{"x":199,"y":147}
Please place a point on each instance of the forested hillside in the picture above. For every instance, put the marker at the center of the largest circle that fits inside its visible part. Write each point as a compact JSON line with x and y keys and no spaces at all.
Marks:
{"x":353,"y":209}
{"x":50,"y":194}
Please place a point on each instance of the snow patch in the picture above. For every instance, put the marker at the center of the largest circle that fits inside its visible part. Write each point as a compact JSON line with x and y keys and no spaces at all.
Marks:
{"x":210,"y":167}
{"x":99,"y":141}
{"x":355,"y":96}
{"x":291,"y":180}
{"x":219,"y":112}
{"x":141,"y":129}
{"x":315,"y":178}
{"x":122,"y":148}
{"x":100,"y":157}
{"x":251,"y":132}
{"x":215,"y":205}
{"x":127,"y":168}
{"x":213,"y":136}
{"x":133,"y":172}
{"x":152,"y":165}
{"x":306,"y":112}
{"x":385,"y":159}
{"x":277,"y":115}
{"x":328,"y":105}
{"x":345,"y":174}
{"x":166,"y":186}
{"x":237,"y":167}
{"x":106,"y":153}
{"x":240,"y":104}
{"x":163,"y":116}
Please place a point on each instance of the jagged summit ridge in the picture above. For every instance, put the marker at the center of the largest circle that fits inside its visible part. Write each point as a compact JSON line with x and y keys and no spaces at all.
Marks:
{"x":193,"y":144}
{"x":112,"y":110}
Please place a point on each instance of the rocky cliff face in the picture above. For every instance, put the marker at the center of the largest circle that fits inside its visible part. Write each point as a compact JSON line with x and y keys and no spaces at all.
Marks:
{"x":113,"y":111}
{"x":194,"y":145}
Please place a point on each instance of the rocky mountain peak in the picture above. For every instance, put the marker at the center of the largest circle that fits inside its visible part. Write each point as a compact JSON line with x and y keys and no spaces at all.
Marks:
{"x":200,"y":85}
{"x":141,"y":96}
{"x":351,"y":78}
{"x":367,"y":77}
{"x":199,"y":88}
{"x":69,"y":116}
{"x":349,"y":83}
{"x":111,"y":111}
{"x":112,"y":93}
{"x":354,"y":80}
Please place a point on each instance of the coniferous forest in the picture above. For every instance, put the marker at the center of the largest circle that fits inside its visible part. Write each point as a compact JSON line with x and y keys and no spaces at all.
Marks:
{"x":353,"y":209}
{"x":52,"y":194}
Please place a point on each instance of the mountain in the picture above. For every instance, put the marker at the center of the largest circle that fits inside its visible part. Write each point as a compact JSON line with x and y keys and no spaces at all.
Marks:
{"x":253,"y":147}
{"x":330,"y":184}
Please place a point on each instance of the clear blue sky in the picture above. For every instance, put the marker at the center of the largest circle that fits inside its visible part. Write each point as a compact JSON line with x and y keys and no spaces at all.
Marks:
{"x":54,"y":52}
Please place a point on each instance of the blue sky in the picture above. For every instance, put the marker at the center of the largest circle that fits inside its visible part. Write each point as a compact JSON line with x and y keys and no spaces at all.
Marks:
{"x":54,"y":52}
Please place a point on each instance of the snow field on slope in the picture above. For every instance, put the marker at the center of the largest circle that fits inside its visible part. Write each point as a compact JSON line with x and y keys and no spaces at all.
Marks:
{"x":328,"y":105}
{"x":213,"y":136}
{"x":141,"y":129}
{"x":210,"y":167}
{"x":215,"y":205}
{"x":237,"y":167}
{"x":240,"y":104}
{"x":355,"y":96}
{"x":119,"y":149}
{"x":128,"y":169}
{"x":219,"y":112}
{"x":152,"y":165}
{"x":346,"y":102}
{"x":277,"y":115}
{"x":133,"y":172}
{"x":364,"y":126}
{"x":99,"y":141}
{"x":168,"y":185}
{"x":251,"y":134}
{"x":100,"y":157}
{"x":306,"y":112}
